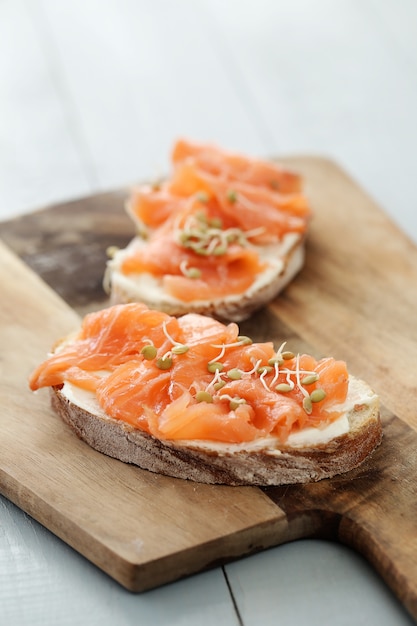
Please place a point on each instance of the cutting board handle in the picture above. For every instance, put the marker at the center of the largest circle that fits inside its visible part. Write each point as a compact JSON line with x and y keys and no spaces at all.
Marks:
{"x":372,"y":509}
{"x":389,"y":543}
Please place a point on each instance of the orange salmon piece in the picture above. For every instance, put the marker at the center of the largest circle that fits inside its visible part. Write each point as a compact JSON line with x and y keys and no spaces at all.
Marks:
{"x":162,"y":255}
{"x":234,"y":276}
{"x":260,"y":201}
{"x":274,"y":413}
{"x":246,"y":357}
{"x":153,"y":207}
{"x":244,"y":206}
{"x":218,"y":162}
{"x":132,"y":388}
{"x":333,"y":380}
{"x":185,"y":419}
{"x":217,"y":385}
{"x":186,"y":180}
{"x":200,"y":330}
{"x":106,"y":339}
{"x":232,"y":272}
{"x":203,"y":335}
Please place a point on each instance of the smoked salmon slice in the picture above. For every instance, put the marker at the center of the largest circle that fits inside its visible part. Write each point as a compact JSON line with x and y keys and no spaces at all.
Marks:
{"x":237,"y":167}
{"x":193,"y":377}
{"x":219,"y":226}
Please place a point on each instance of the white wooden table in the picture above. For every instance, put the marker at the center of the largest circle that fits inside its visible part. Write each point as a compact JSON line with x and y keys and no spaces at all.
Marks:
{"x":92,"y":95}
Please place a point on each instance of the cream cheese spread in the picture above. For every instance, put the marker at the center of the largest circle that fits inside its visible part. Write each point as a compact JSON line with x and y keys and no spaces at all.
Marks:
{"x":358,"y":394}
{"x":147,"y":287}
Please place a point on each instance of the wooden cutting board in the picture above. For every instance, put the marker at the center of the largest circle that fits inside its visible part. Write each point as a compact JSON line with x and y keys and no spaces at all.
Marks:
{"x":356,"y":299}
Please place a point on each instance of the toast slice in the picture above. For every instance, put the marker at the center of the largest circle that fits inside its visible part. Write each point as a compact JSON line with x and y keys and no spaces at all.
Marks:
{"x":221,"y":236}
{"x":190,"y":398}
{"x":264,"y":463}
{"x":282,"y":261}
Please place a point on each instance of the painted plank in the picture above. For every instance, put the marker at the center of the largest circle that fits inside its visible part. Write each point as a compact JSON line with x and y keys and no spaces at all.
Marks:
{"x":396,"y":22}
{"x":312,"y":582}
{"x":39,"y":160}
{"x":139,"y":77}
{"x":328,"y":78}
{"x":44,"y":582}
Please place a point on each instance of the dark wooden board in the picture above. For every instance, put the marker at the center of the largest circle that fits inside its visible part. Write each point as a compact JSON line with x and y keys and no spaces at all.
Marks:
{"x":355,"y":299}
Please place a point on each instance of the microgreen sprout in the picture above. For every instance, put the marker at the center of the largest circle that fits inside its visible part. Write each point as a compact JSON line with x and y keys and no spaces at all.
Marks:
{"x":234,"y":401}
{"x":264,"y":372}
{"x":179,"y":348}
{"x":275,"y":364}
{"x":307,"y":404}
{"x":148,"y":352}
{"x":111,"y":251}
{"x":215,"y":366}
{"x":205,"y":236}
{"x":189,"y":272}
{"x":216,"y":222}
{"x":202,"y":196}
{"x":231,"y":195}
{"x":290,"y":382}
{"x":283,"y":388}
{"x":220,"y":355}
{"x":255,"y":368}
{"x":244,"y":340}
{"x":234,"y":374}
{"x":164,"y":362}
{"x":203,"y":396}
{"x":310,"y":379}
{"x":297,"y":376}
{"x":317,"y":395}
{"x":269,"y":373}
{"x":217,"y":382}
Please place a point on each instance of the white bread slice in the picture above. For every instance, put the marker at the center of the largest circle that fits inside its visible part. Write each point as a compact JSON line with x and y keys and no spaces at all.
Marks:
{"x":306,"y":456}
{"x":284,"y":260}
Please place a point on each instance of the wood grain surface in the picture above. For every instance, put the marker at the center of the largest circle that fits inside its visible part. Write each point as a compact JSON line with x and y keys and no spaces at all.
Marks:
{"x":355,"y":299}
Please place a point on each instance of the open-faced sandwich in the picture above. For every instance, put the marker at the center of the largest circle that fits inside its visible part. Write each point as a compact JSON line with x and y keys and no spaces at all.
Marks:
{"x":221,"y":236}
{"x":190,"y":397}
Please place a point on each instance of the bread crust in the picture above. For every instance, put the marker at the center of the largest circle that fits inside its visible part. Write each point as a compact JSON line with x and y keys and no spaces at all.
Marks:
{"x":234,"y":308}
{"x":218,"y":465}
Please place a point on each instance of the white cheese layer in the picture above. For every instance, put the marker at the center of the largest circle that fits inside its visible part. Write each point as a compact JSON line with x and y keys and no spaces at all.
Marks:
{"x":359,"y":394}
